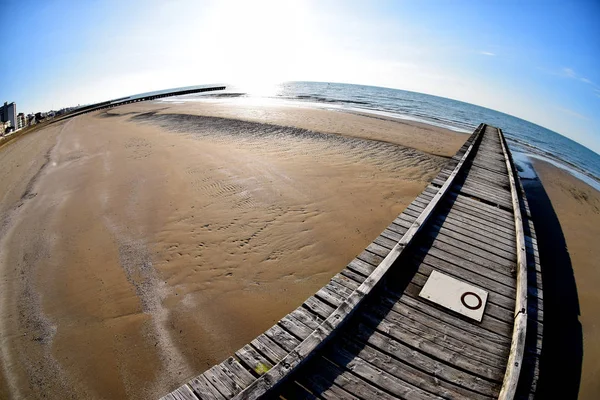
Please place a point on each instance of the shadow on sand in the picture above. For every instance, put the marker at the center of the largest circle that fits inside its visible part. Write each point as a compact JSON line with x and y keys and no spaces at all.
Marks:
{"x":562,"y":345}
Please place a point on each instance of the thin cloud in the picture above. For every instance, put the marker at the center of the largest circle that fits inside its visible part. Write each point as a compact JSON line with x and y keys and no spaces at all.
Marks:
{"x":572,"y":113}
{"x":487,"y":53}
{"x":570,"y":73}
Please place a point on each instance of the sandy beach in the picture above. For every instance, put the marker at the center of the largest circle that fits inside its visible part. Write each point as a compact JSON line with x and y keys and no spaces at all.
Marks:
{"x":141,"y":245}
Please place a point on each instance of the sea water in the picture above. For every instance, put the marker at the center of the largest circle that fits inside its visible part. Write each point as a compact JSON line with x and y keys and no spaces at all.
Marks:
{"x":526,"y":140}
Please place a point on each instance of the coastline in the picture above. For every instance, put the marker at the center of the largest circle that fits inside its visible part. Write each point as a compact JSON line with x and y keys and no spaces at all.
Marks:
{"x":151,"y":246}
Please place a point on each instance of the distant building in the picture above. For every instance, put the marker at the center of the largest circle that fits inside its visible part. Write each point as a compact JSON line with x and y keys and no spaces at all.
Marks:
{"x":31,"y":119}
{"x":21,"y":121}
{"x":9,"y":114}
{"x":4,"y":127}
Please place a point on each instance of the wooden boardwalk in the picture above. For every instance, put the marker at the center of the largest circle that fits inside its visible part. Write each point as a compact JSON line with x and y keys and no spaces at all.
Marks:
{"x":368,"y":334}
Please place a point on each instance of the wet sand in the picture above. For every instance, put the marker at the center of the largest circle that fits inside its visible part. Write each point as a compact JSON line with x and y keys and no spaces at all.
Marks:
{"x":141,"y":245}
{"x":577,"y":207}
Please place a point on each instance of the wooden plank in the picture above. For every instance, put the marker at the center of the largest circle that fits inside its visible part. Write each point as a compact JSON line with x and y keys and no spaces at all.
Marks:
{"x":487,"y":186}
{"x":429,"y":381}
{"x":515,"y":359}
{"x":435,"y":350}
{"x":204,"y":389}
{"x":325,"y":331}
{"x":405,"y":318}
{"x":348,"y":273}
{"x":442,"y":259}
{"x":425,"y":358}
{"x":376,"y":376}
{"x":253,"y":360}
{"x":268,"y":349}
{"x":345,"y":281}
{"x":491,"y":318}
{"x":490,"y":191}
{"x":307,"y":318}
{"x":471,"y":213}
{"x":499,"y":293}
{"x":326,"y":390}
{"x":489,"y":235}
{"x":365,"y":263}
{"x":465,"y":259}
{"x":471,"y":217}
{"x":221,"y":382}
{"x":485,"y":196}
{"x":181,"y":393}
{"x":468,"y":236}
{"x":429,"y":309}
{"x":282,"y":338}
{"x":318,"y":307}
{"x":237,"y":373}
{"x":492,"y":308}
{"x":340,"y":288}
{"x":329,"y":297}
{"x":349,"y":382}
{"x":470,"y":203}
{"x":478,"y":241}
{"x":295,"y":327}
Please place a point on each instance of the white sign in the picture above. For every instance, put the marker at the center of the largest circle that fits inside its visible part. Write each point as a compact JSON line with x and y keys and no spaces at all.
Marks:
{"x":458,"y":296}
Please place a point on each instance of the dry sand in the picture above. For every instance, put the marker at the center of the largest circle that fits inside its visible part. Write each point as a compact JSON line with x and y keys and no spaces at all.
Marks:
{"x":577,"y":206}
{"x":137,"y":249}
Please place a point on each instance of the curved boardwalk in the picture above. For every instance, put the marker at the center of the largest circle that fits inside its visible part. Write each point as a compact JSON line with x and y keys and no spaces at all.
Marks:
{"x":369,"y":334}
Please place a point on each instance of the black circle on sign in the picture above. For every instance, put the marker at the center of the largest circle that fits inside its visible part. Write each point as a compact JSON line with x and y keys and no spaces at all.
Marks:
{"x":465,"y":294}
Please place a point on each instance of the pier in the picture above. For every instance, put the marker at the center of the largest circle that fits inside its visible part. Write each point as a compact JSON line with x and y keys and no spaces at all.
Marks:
{"x":446,"y":303}
{"x":128,"y":100}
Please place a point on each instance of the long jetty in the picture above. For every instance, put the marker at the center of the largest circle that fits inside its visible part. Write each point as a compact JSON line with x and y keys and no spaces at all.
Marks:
{"x":133,"y":99}
{"x":446,"y":303}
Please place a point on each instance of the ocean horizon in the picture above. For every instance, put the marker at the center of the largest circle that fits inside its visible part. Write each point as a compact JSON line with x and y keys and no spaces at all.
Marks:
{"x":526,"y":140}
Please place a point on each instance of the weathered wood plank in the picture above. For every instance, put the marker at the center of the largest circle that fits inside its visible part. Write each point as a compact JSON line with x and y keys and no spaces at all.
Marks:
{"x":429,"y":381}
{"x":376,"y":376}
{"x":395,"y":343}
{"x":268,"y":349}
{"x":515,"y":359}
{"x":307,"y":318}
{"x":295,"y":327}
{"x":237,"y":373}
{"x":253,"y":360}
{"x":318,"y":307}
{"x":326,"y":390}
{"x":181,"y":393}
{"x":204,"y":389}
{"x":347,"y":381}
{"x":438,"y":332}
{"x":428,"y":309}
{"x":282,"y":337}
{"x":221,"y":382}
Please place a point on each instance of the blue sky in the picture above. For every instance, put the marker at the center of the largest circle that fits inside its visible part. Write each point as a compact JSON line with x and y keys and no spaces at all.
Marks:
{"x":538,"y":60}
